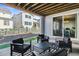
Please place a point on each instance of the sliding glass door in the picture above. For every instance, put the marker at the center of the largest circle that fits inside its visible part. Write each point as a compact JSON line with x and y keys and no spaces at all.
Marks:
{"x":65,"y":26}
{"x":70,"y":25}
{"x":57,"y":26}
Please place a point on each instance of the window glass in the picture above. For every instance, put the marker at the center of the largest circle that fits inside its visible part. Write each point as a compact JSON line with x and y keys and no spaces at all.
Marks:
{"x":27,"y":16}
{"x":57,"y":26}
{"x":6,"y":22}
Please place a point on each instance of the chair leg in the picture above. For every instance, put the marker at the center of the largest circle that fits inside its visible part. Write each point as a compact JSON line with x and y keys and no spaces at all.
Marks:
{"x":70,"y":49}
{"x":22,"y":54}
{"x":11,"y":53}
{"x":30,"y":49}
{"x":49,"y":49}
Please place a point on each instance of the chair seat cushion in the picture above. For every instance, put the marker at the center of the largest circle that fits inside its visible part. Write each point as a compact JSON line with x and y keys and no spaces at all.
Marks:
{"x":26,"y":46}
{"x":23,"y":48}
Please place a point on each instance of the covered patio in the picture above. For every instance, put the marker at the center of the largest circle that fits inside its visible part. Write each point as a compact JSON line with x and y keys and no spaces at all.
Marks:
{"x":55,"y":19}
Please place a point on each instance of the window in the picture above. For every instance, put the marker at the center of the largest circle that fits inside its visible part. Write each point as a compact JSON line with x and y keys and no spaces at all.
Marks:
{"x":6,"y":22}
{"x":57,"y":26}
{"x":36,"y":19}
{"x":70,"y":25}
{"x":27,"y":16}
{"x":28,"y":23}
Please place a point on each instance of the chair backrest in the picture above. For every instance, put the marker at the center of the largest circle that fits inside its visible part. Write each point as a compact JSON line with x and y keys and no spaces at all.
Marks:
{"x":61,"y":44}
{"x":20,"y":40}
{"x":16,"y":47}
{"x":67,"y":40}
{"x":41,"y":36}
{"x":45,"y":39}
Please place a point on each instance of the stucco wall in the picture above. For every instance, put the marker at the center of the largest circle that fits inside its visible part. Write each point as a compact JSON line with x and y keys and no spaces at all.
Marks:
{"x":25,"y":19}
{"x":31,"y":20}
{"x":48,"y":25}
{"x":17,"y":20}
{"x":3,"y":17}
{"x":2,"y":26}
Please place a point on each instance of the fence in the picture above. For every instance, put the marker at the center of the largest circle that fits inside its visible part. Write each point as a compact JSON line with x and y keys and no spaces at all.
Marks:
{"x":4,"y":32}
{"x":8,"y":32}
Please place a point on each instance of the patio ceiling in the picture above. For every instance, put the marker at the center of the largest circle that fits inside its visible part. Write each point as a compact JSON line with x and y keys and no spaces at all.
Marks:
{"x":44,"y":8}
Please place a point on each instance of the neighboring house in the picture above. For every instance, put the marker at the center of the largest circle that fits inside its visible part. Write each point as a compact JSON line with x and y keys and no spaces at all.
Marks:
{"x":28,"y":21}
{"x":17,"y":21}
{"x":6,"y":21}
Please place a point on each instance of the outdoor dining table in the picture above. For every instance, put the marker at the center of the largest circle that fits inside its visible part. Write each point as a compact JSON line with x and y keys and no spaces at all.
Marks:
{"x":42,"y":47}
{"x":49,"y":49}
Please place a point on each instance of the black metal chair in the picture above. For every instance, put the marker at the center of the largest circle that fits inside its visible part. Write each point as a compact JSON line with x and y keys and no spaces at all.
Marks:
{"x":19,"y":46}
{"x":42,"y":38}
{"x":68,"y":44}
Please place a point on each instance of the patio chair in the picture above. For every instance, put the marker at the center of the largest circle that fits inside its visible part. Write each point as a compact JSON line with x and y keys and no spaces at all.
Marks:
{"x":19,"y":46}
{"x":42,"y":38}
{"x":66,"y":43}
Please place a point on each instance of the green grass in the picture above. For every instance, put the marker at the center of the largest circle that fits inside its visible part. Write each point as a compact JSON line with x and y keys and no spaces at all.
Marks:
{"x":28,"y":39}
{"x":2,"y":46}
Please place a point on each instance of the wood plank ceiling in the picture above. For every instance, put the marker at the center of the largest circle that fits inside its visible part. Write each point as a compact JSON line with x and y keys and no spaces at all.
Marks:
{"x":46,"y":8}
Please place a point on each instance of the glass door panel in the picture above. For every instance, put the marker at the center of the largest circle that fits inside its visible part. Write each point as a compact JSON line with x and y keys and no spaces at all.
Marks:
{"x":70,"y":25}
{"x":57,"y":26}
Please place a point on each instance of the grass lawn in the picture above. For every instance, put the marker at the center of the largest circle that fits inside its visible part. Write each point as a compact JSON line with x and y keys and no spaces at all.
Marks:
{"x":28,"y":39}
{"x":2,"y":46}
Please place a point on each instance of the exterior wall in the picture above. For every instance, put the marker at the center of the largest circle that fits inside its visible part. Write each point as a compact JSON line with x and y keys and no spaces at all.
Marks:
{"x":42,"y":25}
{"x":26,"y":19}
{"x":78,"y":26}
{"x":29,"y":20}
{"x":6,"y":17}
{"x":49,"y":19}
{"x":2,"y":26}
{"x":48,"y":25}
{"x":17,"y":20}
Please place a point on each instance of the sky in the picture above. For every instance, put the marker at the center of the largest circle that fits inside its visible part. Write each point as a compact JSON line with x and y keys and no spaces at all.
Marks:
{"x":12,"y":10}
